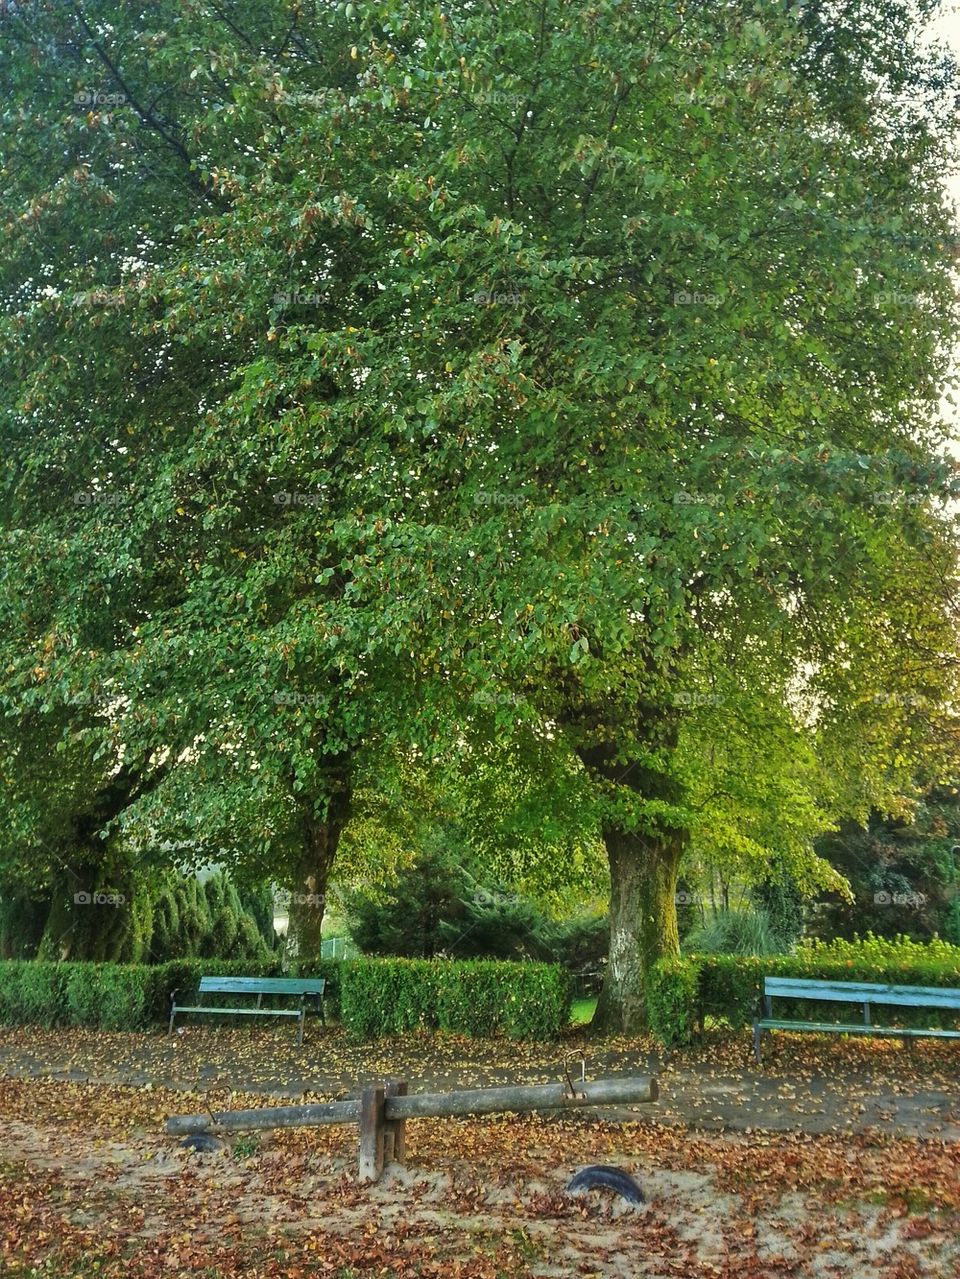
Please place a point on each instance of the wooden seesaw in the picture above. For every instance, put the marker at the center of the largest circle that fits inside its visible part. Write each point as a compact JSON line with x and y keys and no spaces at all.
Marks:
{"x":382,"y":1111}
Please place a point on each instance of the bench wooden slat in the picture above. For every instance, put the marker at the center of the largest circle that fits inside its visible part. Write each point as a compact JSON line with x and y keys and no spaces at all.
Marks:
{"x":262,"y":985}
{"x":859,"y":992}
{"x":866,"y":994}
{"x":249,"y":1012}
{"x":259,"y":986}
{"x":856,"y":1028}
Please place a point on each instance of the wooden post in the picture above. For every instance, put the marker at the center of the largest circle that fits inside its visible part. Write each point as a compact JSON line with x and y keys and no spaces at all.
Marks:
{"x":371,"y":1133}
{"x":395,"y":1132}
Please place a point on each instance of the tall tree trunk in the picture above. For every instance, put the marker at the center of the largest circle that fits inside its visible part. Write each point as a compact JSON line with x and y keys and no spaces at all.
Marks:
{"x":90,"y":915}
{"x":644,"y":862}
{"x":643,"y":925}
{"x":320,"y":837}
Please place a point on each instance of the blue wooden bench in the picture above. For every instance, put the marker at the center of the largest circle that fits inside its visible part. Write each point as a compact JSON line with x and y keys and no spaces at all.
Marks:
{"x":305,"y":987}
{"x":866,"y":994}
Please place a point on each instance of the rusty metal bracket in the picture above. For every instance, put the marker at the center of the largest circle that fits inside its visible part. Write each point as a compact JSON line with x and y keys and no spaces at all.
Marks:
{"x":571,"y":1086}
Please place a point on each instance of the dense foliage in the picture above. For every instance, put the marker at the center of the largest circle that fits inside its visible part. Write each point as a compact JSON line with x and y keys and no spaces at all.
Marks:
{"x":556,"y":384}
{"x":471,"y":997}
{"x":728,"y":987}
{"x":437,"y":906}
{"x":141,"y":917}
{"x":106,"y":996}
{"x":372,"y":997}
{"x":904,"y":873}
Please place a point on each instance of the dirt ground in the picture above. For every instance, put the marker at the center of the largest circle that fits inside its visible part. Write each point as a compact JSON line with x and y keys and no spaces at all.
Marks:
{"x":858,"y":1176}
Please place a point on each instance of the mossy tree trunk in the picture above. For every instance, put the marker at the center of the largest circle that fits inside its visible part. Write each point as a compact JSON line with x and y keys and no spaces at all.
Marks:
{"x":643,"y":925}
{"x":644,"y":855}
{"x":320,"y":838}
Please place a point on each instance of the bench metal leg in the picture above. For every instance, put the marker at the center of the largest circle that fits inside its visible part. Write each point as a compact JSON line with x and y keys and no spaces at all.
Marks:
{"x":173,"y":1013}
{"x":757,"y":1032}
{"x":300,"y":1027}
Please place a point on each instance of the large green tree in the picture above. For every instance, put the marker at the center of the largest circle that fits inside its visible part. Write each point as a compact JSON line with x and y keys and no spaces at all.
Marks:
{"x":573,"y":357}
{"x":170,"y":605}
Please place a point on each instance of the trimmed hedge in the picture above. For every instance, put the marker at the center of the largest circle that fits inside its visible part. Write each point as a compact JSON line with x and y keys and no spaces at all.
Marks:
{"x":728,"y":988}
{"x":32,"y":993}
{"x":472,"y":997}
{"x":119,"y":996}
{"x":375,"y":996}
{"x":672,"y":1000}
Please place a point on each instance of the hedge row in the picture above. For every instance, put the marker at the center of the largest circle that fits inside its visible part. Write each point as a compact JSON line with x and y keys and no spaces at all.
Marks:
{"x":374,"y":996}
{"x":683,"y":992}
{"x":106,"y":996}
{"x":472,"y":997}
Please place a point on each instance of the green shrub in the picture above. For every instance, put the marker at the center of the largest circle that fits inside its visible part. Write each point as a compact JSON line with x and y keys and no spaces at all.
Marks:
{"x":438,"y":909}
{"x":486,"y":997}
{"x":472,"y":997}
{"x":11,"y":1013}
{"x":735,"y":932}
{"x":109,"y":996}
{"x":672,"y":1000}
{"x":81,"y":983}
{"x":119,"y":996}
{"x":32,"y":992}
{"x":408,"y":917}
{"x":783,"y":903}
{"x":387,"y":997}
{"x":730,"y":986}
{"x":41,"y":993}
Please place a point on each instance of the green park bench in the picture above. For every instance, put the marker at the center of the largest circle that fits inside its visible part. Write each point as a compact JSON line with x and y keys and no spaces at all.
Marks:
{"x":305,"y":987}
{"x":854,"y":992}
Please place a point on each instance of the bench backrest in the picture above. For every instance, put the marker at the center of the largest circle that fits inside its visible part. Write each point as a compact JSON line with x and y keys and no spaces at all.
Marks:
{"x":262,"y":985}
{"x":861,"y":992}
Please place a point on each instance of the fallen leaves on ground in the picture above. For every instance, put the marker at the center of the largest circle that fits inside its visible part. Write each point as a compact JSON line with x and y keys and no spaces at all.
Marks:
{"x":91,"y":1186}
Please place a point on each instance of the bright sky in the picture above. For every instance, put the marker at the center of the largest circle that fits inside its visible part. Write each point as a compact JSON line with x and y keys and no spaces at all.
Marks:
{"x":947,"y":28}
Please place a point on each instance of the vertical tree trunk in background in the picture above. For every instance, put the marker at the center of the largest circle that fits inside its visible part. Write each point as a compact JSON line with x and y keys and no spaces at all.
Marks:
{"x":90,"y":915}
{"x":643,"y":925}
{"x":644,"y":863}
{"x":320,"y":837}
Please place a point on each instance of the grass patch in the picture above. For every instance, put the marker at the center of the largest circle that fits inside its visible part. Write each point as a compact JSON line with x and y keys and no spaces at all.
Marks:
{"x":582,"y":1011}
